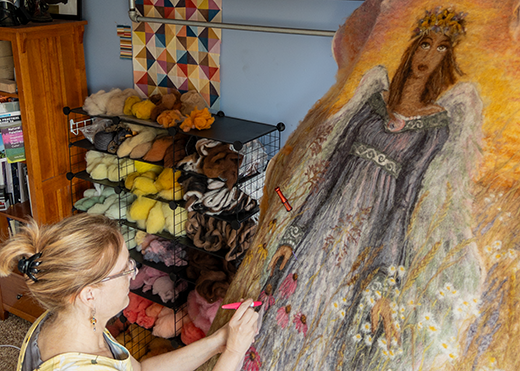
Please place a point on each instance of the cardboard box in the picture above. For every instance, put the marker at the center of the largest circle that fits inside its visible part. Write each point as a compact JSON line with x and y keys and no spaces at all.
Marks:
{"x":7,"y":68}
{"x":8,"y":86}
{"x":5,"y":48}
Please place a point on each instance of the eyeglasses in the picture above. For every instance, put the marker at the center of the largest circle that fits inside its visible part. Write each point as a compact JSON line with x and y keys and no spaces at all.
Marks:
{"x":133,"y":271}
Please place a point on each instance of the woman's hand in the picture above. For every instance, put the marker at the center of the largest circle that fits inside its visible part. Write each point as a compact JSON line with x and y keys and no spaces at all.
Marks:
{"x":242,"y":329}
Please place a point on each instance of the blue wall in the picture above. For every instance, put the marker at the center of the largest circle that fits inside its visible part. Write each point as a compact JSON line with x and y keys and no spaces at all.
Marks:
{"x":265,"y":77}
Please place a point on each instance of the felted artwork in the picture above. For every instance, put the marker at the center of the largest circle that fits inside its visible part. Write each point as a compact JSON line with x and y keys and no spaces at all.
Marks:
{"x":400,"y":250}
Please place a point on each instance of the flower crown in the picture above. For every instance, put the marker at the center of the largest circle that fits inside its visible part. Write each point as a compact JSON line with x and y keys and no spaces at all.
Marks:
{"x":445,"y":21}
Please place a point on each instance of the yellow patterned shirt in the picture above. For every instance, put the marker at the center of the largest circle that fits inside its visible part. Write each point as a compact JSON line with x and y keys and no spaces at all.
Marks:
{"x":29,"y":358}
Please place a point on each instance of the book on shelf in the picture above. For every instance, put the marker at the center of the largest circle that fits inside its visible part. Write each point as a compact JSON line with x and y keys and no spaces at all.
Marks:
{"x":12,"y":137}
{"x":13,"y":226}
{"x":14,"y":183}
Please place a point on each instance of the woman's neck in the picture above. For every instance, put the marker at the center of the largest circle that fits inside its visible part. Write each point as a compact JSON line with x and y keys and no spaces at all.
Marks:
{"x":71,"y":331}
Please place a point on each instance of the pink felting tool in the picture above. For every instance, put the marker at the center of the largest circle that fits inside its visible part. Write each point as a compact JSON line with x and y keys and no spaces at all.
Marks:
{"x":236,"y":305}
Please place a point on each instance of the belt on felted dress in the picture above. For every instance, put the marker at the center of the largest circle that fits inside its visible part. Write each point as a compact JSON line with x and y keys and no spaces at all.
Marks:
{"x":367,"y":152}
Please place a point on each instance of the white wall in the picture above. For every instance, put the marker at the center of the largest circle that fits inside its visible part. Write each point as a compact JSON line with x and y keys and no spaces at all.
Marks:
{"x":265,"y":77}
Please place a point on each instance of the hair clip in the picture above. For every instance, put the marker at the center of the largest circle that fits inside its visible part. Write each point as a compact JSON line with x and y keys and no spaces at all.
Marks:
{"x":28,"y":266}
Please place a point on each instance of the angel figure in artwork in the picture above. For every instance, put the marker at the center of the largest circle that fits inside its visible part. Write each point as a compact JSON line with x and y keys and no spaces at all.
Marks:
{"x":358,"y":277}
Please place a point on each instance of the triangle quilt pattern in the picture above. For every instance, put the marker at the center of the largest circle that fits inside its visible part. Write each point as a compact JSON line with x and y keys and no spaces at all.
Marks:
{"x":167,"y":57}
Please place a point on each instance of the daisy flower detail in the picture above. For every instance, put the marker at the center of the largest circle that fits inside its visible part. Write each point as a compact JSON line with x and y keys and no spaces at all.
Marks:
{"x":371,"y":301}
{"x":427,"y":317}
{"x":432,"y":328}
{"x":441,"y":294}
{"x":497,"y":245}
{"x":382,"y":343}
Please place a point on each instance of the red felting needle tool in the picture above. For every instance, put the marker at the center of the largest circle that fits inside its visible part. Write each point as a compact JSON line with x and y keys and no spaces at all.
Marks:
{"x":284,"y":200}
{"x":236,"y":305}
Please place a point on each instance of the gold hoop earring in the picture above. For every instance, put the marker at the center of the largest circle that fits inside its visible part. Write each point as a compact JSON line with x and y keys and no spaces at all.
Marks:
{"x":93,"y":319}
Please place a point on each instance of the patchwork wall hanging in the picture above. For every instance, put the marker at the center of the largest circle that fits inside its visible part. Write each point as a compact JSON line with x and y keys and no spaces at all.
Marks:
{"x":401,"y":248}
{"x":181,"y":57}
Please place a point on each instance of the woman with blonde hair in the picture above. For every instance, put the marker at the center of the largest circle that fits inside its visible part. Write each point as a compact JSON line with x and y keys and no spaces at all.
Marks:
{"x":79,"y":270}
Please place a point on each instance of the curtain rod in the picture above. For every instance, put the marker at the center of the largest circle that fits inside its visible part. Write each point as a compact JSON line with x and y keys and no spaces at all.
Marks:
{"x":230,"y":26}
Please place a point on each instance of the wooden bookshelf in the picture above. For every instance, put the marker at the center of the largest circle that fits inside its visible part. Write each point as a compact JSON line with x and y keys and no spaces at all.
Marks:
{"x":20,"y":211}
{"x":50,"y":74}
